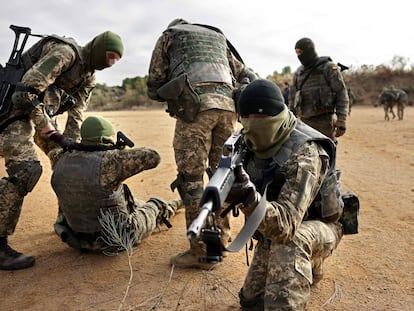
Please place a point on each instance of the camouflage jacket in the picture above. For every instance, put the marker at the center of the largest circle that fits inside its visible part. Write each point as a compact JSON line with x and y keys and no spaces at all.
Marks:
{"x":62,"y":66}
{"x":291,"y":191}
{"x":212,"y":94}
{"x":322,"y":90}
{"x":117,"y":165}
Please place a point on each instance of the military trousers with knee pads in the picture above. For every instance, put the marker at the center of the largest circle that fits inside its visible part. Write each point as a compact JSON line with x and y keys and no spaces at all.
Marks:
{"x":198,"y":145}
{"x":324,"y":123}
{"x":23,"y":168}
{"x":280,"y":275}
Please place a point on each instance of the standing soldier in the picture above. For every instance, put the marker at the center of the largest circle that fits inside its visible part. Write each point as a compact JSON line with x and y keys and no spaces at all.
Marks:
{"x":194,"y":69}
{"x":318,"y":93}
{"x":52,"y":60}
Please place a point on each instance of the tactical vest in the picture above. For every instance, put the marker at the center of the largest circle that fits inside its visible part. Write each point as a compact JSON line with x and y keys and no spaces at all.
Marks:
{"x":199,"y":52}
{"x":272,"y":171}
{"x":76,"y":182}
{"x":316,"y":95}
{"x":72,"y":78}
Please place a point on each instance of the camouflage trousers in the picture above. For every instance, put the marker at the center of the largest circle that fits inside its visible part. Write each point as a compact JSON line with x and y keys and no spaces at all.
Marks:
{"x":324,"y":123}
{"x":17,"y":148}
{"x":280,"y":275}
{"x":197,"y":145}
{"x":142,"y":221}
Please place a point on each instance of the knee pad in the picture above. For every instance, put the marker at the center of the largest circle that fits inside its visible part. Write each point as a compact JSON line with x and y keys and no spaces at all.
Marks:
{"x":186,"y":193}
{"x":25,"y":175}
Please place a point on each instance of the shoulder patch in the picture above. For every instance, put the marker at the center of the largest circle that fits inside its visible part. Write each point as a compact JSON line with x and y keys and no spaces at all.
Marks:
{"x":334,"y":67}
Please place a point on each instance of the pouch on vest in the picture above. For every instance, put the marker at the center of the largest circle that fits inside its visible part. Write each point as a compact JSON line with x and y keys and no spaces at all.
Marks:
{"x":349,"y":218}
{"x":181,"y":98}
{"x":298,"y":100}
{"x":331,"y":198}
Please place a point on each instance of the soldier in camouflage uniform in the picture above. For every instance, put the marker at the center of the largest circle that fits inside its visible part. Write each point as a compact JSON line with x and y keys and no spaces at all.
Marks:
{"x":55,"y":61}
{"x":89,"y":180}
{"x":297,"y":232}
{"x":318,"y":93}
{"x":207,"y":61}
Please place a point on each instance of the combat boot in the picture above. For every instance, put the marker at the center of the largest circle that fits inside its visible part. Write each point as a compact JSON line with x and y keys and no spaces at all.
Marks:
{"x":13,"y":260}
{"x":317,"y":270}
{"x":166,"y":210}
{"x":176,"y":204}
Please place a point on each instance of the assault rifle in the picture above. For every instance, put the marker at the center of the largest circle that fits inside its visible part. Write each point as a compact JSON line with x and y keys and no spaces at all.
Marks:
{"x":13,"y":71}
{"x":214,"y":196}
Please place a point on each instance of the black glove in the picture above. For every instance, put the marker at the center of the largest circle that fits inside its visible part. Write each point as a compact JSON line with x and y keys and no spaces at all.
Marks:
{"x":340,"y":128}
{"x":243,"y":190}
{"x":64,"y":142}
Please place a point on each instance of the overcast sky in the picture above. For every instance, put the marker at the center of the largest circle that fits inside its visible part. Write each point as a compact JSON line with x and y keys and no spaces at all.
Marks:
{"x":352,"y":32}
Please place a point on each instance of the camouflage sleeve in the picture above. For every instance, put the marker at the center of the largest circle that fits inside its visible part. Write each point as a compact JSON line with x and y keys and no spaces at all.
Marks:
{"x":337,"y":84}
{"x":75,"y":114}
{"x":118,"y":165}
{"x":304,"y":175}
{"x":159,"y":66}
{"x":55,"y":59}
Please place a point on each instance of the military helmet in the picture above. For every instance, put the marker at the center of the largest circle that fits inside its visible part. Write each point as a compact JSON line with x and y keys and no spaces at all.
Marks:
{"x":97,"y":130}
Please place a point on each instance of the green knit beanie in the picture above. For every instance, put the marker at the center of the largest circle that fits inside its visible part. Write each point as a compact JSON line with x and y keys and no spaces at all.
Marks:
{"x":106,"y":41}
{"x":97,"y":130}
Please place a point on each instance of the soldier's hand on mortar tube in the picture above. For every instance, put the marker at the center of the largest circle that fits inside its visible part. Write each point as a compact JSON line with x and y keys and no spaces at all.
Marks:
{"x":243,"y":190}
{"x":340,"y":128}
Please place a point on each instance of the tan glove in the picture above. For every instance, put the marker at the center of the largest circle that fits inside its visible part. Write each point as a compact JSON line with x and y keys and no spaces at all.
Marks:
{"x":340,"y":128}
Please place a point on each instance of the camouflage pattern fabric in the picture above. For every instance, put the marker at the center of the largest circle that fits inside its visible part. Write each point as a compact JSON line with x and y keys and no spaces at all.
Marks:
{"x":16,"y":146}
{"x":159,"y":74}
{"x":349,"y":218}
{"x":59,"y":66}
{"x":197,"y":144}
{"x":116,"y":166}
{"x":323,"y":123}
{"x":324,"y":92}
{"x":280,"y":275}
{"x":281,"y":271}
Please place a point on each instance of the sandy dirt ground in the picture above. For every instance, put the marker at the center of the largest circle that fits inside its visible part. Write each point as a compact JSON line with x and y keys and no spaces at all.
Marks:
{"x":372,"y":270}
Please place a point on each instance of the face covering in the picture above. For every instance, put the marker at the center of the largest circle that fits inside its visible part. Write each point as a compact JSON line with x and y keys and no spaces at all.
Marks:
{"x":96,"y":49}
{"x":265,"y":136}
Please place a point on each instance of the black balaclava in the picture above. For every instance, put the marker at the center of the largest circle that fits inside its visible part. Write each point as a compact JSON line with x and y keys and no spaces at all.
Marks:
{"x":309,"y":55}
{"x":265,"y":135}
